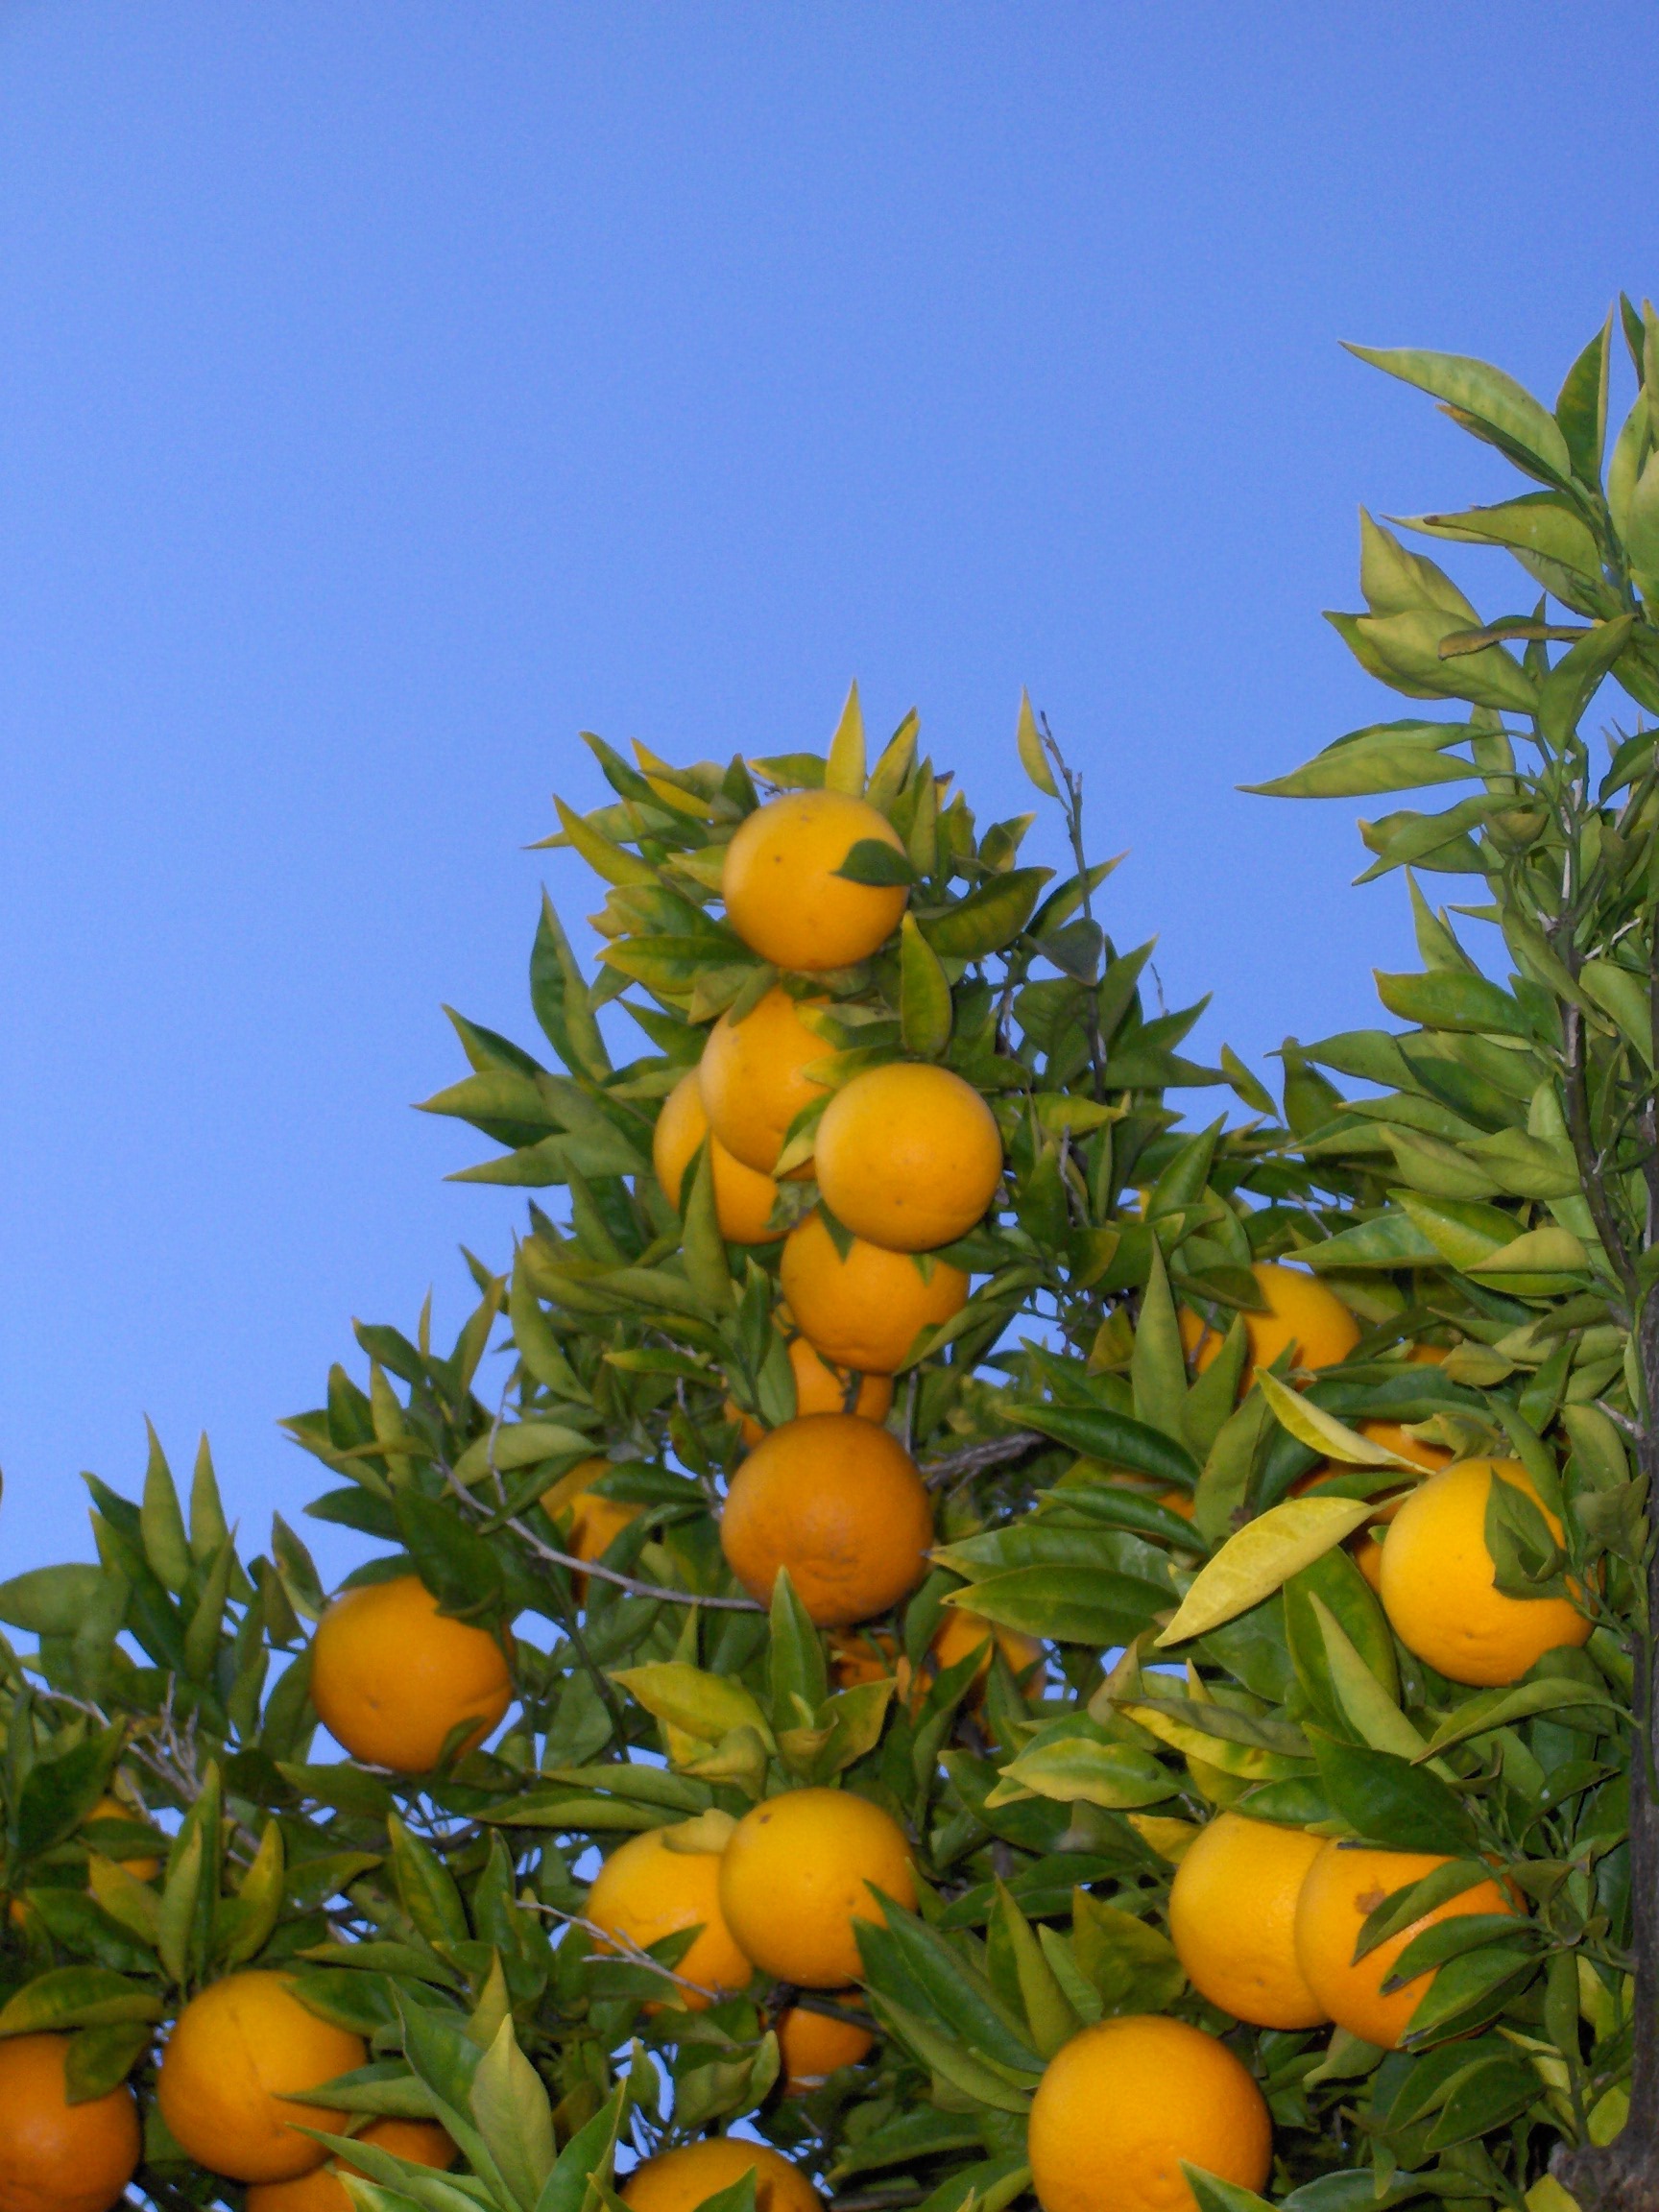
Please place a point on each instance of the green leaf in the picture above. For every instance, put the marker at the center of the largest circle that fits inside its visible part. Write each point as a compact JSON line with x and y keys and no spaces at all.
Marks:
{"x":1386,"y":756}
{"x":1028,"y":743}
{"x":797,"y":1677}
{"x":1048,"y":2011}
{"x":1416,"y":1900}
{"x":259,"y":1893}
{"x":50,"y":1600}
{"x":603,"y":855}
{"x":1071,"y":1604}
{"x":1158,"y":1364}
{"x":57,"y":1793}
{"x":161,"y":1521}
{"x":1484,"y":400}
{"x":1112,"y":1438}
{"x":558,"y":998}
{"x":77,"y":1997}
{"x":707,"y":1706}
{"x":924,"y":1009}
{"x":510,"y":2105}
{"x":702,"y":1246}
{"x":1389,"y":1801}
{"x":1079,"y":1769}
{"x":989,"y":917}
{"x":1582,"y":406}
{"x":1624,"y":996}
{"x":1445,"y":1000}
{"x":950,"y":2059}
{"x":872,"y":860}
{"x":1212,"y":2194}
{"x":425,"y":1888}
{"x":1131,"y":1964}
{"x":1252,"y":1564}
{"x":100,"y":2060}
{"x":844,"y":769}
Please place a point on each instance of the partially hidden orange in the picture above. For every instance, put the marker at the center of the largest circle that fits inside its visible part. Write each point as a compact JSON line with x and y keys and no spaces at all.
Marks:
{"x":391,"y":1676}
{"x":647,"y":1889}
{"x":423,"y":2142}
{"x":1302,"y":1313}
{"x":56,"y":2156}
{"x":839,"y":1502}
{"x":813,"y":2044}
{"x":679,"y":2180}
{"x":784,"y":894}
{"x":753,"y":1080}
{"x":238,"y":2062}
{"x":743,"y":1197}
{"x":800,"y":1870}
{"x":819,"y":1389}
{"x":864,"y":1310}
{"x":1233,"y":1919}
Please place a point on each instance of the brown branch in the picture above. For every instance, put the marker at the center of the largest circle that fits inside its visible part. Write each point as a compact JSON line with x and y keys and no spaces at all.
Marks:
{"x":937,"y":1473}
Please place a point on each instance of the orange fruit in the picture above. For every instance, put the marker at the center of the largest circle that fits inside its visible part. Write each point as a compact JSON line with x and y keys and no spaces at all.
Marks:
{"x":112,"y":1808}
{"x":908,"y":1156}
{"x":813,"y":2044}
{"x":797,"y":1874}
{"x":679,"y":2180}
{"x":240,"y":2056}
{"x":819,"y":1389}
{"x":1233,"y":1919}
{"x":422,"y":2141}
{"x":646,"y":1890}
{"x":1121,"y":2104}
{"x":743,"y":1197}
{"x":960,"y":1633}
{"x":859,"y":1656}
{"x":391,"y":1676}
{"x":1343,"y":1887}
{"x":1367,"y":1548}
{"x":781,"y":890}
{"x":839,"y":1502}
{"x":1302,"y":1313}
{"x":866,"y":1310}
{"x":1438,"y":1581}
{"x":56,"y":2156}
{"x":751,"y":1077}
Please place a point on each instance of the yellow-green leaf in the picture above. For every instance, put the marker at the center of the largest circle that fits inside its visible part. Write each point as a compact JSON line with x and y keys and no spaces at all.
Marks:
{"x":1322,"y":1431}
{"x":707,"y":1706}
{"x":845,"y":769}
{"x":1028,"y":740}
{"x":1253,"y":1564}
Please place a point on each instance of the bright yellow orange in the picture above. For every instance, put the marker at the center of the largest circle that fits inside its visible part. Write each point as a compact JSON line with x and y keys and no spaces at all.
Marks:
{"x":813,"y":2044}
{"x":751,"y":1077}
{"x":1367,"y":1548}
{"x":232,"y":2079}
{"x":1123,"y":2104}
{"x":1302,"y":1313}
{"x":56,"y":2156}
{"x":646,"y":1890}
{"x":112,"y":1808}
{"x":679,"y":2180}
{"x":819,"y":1389}
{"x":782,"y":894}
{"x":839,"y":1502}
{"x":1343,"y":1888}
{"x":420,"y":2141}
{"x":391,"y":1676}
{"x":908,"y":1156}
{"x":743,"y":1197}
{"x":1438,"y":1581}
{"x":960,"y":1633}
{"x":1233,"y":1919}
{"x":864,"y":1311}
{"x":797,"y":1875}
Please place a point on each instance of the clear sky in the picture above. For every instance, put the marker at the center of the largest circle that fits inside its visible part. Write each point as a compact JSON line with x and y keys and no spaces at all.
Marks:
{"x":394,"y":390}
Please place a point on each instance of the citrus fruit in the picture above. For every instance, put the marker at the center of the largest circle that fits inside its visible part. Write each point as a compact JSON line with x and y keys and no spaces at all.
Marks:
{"x":796,"y":1875}
{"x":422,"y":2141}
{"x":679,"y":2180}
{"x":595,"y":1523}
{"x":646,"y":1890}
{"x":391,"y":1676}
{"x":856,"y":1657}
{"x":960,"y":1633}
{"x":908,"y":1155}
{"x":1366,"y":1547}
{"x":240,"y":2056}
{"x":782,"y":894}
{"x":751,"y":1077}
{"x":112,"y":1808}
{"x":819,"y":1389}
{"x":1438,"y":1581}
{"x":1302,"y":1313}
{"x":839,"y":1502}
{"x":1343,"y":1887}
{"x":56,"y":2156}
{"x":1121,"y":2104}
{"x":813,"y":2044}
{"x":1233,"y":1919}
{"x":743,"y":1197}
{"x":863,"y":1311}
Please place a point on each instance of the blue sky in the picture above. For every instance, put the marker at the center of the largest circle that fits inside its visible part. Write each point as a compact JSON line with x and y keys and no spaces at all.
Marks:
{"x":394,"y":391}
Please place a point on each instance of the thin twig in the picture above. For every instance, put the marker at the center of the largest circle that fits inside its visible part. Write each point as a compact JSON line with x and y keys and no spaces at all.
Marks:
{"x":973,"y":1457}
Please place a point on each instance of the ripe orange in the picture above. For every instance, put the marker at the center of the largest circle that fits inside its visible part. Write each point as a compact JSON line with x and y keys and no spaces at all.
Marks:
{"x":1344,"y":1886}
{"x":321,"y":2190}
{"x":238,"y":2054}
{"x":796,"y":1875}
{"x":839,"y":1502}
{"x":859,"y":1656}
{"x":1367,"y":1549}
{"x":819,"y":1389}
{"x":112,"y":1808}
{"x":960,"y":1633}
{"x":679,"y":2180}
{"x":813,"y":2044}
{"x":56,"y":2156}
{"x":1438,"y":1581}
{"x":751,"y":1077}
{"x":1233,"y":1919}
{"x":1302,"y":1313}
{"x":743,"y":1197}
{"x":863,"y":1311}
{"x":391,"y":1676}
{"x":783,"y":894}
{"x":1124,"y":2102}
{"x":908,"y":1156}
{"x":646,"y":1890}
